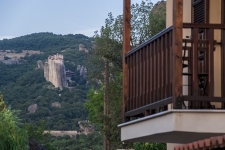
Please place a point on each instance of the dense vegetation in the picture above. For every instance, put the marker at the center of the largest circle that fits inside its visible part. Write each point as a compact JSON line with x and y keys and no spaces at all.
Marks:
{"x":81,"y":142}
{"x":11,"y":135}
{"x":23,"y":85}
{"x":45,"y":42}
{"x":105,"y":105}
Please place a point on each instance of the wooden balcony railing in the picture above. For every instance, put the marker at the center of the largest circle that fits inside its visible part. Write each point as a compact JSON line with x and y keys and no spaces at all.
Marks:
{"x":150,"y":71}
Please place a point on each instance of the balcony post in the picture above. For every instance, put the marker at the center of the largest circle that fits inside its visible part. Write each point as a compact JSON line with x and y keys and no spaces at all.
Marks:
{"x":223,"y":50}
{"x":177,"y":53}
{"x":126,"y":48}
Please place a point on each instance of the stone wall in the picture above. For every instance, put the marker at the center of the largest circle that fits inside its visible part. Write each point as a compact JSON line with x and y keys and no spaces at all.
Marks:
{"x":54,"y":71}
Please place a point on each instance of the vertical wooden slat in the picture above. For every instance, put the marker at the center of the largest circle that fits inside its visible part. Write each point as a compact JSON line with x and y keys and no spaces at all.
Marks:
{"x":170,"y":62}
{"x":131,"y":82}
{"x":211,"y":62}
{"x":147,"y":74}
{"x":189,"y":70}
{"x":126,"y":48}
{"x":156,"y":70}
{"x":143,"y":77}
{"x":177,"y":52}
{"x":223,"y":51}
{"x":159,"y":68}
{"x":167,"y":64}
{"x":135,"y":81}
{"x":163,"y":67}
{"x":137,"y":78}
{"x":140,"y":78}
{"x":195,"y":63}
{"x":153,"y":72}
{"x":223,"y":61}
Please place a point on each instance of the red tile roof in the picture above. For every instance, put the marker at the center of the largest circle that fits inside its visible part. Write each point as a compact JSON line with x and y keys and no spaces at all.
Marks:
{"x":212,"y":142}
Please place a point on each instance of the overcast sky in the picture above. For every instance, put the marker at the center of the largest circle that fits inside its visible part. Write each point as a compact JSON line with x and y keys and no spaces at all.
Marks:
{"x":22,"y":17}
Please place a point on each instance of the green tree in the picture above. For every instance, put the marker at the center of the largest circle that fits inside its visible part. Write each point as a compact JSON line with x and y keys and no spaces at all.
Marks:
{"x":149,"y":146}
{"x":12,"y":137}
{"x":95,"y":107}
{"x":108,"y":62}
{"x":157,"y":18}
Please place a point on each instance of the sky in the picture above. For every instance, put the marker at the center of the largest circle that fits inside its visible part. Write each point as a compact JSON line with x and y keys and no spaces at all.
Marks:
{"x":22,"y":17}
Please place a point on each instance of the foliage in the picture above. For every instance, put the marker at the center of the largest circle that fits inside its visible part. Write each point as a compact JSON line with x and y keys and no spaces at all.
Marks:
{"x":84,"y":142}
{"x":108,"y":61}
{"x":95,"y":107}
{"x":115,"y":107}
{"x":157,"y":18}
{"x":149,"y":146}
{"x":12,"y":136}
{"x":140,"y":23}
{"x":45,"y":42}
{"x":23,"y":84}
{"x":36,"y":131}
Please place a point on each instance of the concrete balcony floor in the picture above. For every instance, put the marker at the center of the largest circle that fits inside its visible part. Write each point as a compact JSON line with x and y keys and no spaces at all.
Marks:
{"x":175,"y":126}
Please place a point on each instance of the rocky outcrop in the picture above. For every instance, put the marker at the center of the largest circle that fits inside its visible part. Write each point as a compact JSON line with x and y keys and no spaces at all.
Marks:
{"x":54,"y":71}
{"x":40,"y":64}
{"x":86,"y":127}
{"x":82,"y":48}
{"x":32,"y":108}
{"x":82,"y":70}
{"x":56,"y":104}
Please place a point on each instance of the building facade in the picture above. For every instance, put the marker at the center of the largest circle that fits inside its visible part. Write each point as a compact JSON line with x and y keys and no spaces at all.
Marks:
{"x":173,"y":84}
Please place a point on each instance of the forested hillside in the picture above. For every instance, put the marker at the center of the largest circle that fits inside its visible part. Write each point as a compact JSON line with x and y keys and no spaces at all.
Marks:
{"x":45,"y":42}
{"x":24,"y":84}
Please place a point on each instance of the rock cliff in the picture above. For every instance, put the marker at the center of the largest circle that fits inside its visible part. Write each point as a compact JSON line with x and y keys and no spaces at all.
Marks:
{"x":54,"y":71}
{"x":32,"y":108}
{"x":40,"y":64}
{"x":82,"y":48}
{"x":82,"y":70}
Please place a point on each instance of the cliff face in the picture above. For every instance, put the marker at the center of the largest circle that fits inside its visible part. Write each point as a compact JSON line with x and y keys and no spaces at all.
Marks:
{"x":54,"y":71}
{"x":82,"y":70}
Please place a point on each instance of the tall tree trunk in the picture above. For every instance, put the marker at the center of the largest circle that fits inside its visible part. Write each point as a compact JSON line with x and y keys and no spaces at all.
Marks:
{"x":106,"y":143}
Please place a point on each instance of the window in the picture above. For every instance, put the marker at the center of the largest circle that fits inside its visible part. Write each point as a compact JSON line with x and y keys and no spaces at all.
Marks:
{"x":199,"y":11}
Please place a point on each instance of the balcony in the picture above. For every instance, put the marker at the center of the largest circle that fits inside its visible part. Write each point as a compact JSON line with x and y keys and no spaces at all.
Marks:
{"x":152,"y":111}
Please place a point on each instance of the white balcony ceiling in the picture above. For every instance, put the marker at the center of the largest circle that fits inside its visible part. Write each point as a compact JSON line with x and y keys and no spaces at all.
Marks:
{"x":175,"y":126}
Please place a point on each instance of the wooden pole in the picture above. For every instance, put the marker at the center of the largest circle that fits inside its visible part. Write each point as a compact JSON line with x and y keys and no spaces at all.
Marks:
{"x":177,"y":53}
{"x":126,"y":48}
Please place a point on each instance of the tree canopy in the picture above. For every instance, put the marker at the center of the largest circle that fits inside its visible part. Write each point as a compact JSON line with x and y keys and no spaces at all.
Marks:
{"x":107,"y":98}
{"x":12,"y":136}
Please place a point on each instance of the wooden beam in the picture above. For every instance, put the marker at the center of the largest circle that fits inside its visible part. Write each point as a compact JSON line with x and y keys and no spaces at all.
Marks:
{"x":203,"y":25}
{"x":223,"y":48}
{"x":204,"y":98}
{"x":126,"y":48}
{"x":177,"y":53}
{"x":223,"y":51}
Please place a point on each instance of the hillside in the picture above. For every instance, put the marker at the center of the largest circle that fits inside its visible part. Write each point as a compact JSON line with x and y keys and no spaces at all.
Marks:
{"x":23,"y":84}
